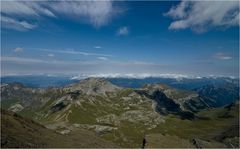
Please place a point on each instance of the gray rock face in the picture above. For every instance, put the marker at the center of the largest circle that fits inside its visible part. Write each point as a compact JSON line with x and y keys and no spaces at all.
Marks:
{"x":28,"y":97}
{"x":16,"y":108}
{"x":104,"y":129}
{"x":110,"y":119}
{"x":64,"y":132}
{"x":175,"y":101}
{"x":220,"y":94}
{"x":94,"y":86}
{"x":61,"y":103}
{"x":99,"y":129}
{"x":147,"y":118}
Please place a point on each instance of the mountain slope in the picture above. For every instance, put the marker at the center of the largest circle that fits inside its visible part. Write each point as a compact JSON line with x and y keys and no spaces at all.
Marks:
{"x":216,"y":128}
{"x":221,"y":94}
{"x":17,"y":131}
{"x":175,"y":101}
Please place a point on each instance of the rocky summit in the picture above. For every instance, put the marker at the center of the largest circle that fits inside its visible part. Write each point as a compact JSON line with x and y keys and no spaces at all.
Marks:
{"x":115,"y":116}
{"x":93,"y":86}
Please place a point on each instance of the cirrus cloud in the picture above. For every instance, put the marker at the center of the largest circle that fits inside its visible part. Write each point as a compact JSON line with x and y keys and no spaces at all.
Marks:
{"x":15,"y":24}
{"x":21,"y":13}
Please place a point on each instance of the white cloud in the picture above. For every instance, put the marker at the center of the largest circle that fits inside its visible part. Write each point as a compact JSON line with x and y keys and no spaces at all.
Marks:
{"x":133,"y":75}
{"x":123,"y":31}
{"x":178,"y":11}
{"x":102,"y":58}
{"x":16,"y":24}
{"x":51,"y":55}
{"x":202,"y":15}
{"x":18,"y":49}
{"x":76,"y":52}
{"x":222,"y":56}
{"x":26,"y":8}
{"x":96,"y":13}
{"x":17,"y":8}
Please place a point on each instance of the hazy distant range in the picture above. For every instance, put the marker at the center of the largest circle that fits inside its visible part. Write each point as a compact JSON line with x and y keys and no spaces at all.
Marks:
{"x":178,"y":81}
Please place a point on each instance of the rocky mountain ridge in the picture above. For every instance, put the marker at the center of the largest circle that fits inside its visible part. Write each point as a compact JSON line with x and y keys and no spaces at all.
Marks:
{"x":165,"y":98}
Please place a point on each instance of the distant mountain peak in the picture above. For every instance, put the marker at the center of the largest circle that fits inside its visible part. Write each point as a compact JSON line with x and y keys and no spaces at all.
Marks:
{"x":94,"y":86}
{"x":94,"y":80}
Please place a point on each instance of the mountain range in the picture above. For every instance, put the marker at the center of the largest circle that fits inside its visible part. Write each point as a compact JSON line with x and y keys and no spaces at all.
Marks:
{"x":112,"y":115}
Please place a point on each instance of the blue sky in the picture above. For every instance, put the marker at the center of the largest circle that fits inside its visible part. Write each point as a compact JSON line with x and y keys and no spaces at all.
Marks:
{"x":105,"y":37}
